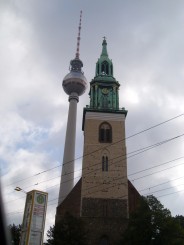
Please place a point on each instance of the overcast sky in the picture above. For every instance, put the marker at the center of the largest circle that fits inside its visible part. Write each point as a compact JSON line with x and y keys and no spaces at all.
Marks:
{"x":38,"y":40}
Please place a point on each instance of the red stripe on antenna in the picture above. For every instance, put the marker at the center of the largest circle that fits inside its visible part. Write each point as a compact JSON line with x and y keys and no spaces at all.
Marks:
{"x":78,"y":38}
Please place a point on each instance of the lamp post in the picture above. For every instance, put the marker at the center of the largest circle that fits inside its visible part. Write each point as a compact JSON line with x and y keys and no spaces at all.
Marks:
{"x":20,"y":189}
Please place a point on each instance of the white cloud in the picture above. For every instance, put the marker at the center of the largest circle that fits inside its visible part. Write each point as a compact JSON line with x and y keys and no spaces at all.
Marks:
{"x":131,"y":96}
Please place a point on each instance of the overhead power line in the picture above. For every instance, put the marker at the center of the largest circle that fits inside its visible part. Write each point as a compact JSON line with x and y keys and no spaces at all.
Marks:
{"x":157,"y":172}
{"x":163,"y":183}
{"x":156,"y":166}
{"x":18,"y":212}
{"x":164,"y":189}
{"x":105,"y":188}
{"x":139,"y":151}
{"x":108,"y":187}
{"x":133,"y":135}
{"x":170,"y":194}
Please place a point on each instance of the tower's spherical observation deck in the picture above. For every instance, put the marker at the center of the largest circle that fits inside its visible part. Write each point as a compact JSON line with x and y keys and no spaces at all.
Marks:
{"x":74,"y":82}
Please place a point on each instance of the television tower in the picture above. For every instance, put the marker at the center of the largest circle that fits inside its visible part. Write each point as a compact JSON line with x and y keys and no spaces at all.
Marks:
{"x":74,"y":84}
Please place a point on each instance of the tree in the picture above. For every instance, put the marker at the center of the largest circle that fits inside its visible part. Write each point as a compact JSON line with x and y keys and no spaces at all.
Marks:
{"x":69,"y":230}
{"x":180,"y":220}
{"x":15,"y":231}
{"x":152,"y":224}
{"x":50,"y":236}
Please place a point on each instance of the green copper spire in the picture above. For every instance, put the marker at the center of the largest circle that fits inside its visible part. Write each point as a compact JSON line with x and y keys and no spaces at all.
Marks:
{"x":104,"y":87}
{"x":104,"y":48}
{"x":104,"y":66}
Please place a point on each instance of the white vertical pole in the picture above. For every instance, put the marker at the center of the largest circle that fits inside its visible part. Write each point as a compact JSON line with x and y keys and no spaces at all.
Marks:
{"x":67,"y":175}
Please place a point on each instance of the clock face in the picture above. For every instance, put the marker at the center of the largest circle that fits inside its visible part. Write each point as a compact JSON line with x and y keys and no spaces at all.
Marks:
{"x":105,"y":91}
{"x":40,"y":199}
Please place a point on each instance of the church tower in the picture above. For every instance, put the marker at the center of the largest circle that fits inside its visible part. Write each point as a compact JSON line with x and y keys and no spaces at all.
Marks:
{"x":104,"y":193}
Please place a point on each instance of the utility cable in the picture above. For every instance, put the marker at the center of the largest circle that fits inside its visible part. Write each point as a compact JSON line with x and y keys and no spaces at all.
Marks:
{"x":156,"y":172}
{"x":163,"y":183}
{"x":157,"y":165}
{"x":164,"y":189}
{"x":11,"y":213}
{"x":133,"y":135}
{"x":113,"y":179}
{"x":139,"y":151}
{"x":169,"y":194}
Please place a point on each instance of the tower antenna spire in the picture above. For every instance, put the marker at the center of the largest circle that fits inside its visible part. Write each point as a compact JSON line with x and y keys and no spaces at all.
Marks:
{"x":78,"y":38}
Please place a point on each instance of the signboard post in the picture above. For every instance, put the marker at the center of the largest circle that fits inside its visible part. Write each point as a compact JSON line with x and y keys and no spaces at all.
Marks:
{"x":34,"y":218}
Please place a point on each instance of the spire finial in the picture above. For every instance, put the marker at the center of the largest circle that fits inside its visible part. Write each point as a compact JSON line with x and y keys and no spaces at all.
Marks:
{"x":78,"y":38}
{"x":104,"y":47}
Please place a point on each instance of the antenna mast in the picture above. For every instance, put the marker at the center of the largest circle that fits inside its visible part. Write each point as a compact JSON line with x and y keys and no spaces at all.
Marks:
{"x":78,"y":38}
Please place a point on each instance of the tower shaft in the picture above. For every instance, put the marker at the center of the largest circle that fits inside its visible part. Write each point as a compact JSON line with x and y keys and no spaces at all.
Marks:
{"x":67,"y":174}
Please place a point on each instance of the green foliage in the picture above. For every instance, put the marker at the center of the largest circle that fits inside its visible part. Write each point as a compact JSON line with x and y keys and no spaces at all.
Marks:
{"x":15,"y":231}
{"x":69,"y":230}
{"x":180,"y":220}
{"x":152,"y":224}
{"x":50,"y":236}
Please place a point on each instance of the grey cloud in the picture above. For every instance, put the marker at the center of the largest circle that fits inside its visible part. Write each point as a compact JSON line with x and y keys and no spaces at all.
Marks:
{"x":145,"y":42}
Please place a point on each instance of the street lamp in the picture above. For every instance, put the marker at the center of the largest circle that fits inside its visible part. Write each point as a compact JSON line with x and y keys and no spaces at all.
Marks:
{"x":19,"y":189}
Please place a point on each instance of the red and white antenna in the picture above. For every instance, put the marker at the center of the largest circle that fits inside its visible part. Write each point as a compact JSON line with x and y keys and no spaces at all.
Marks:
{"x":78,"y":38}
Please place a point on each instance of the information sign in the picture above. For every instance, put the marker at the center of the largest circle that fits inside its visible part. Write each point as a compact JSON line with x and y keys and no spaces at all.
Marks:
{"x":34,"y":218}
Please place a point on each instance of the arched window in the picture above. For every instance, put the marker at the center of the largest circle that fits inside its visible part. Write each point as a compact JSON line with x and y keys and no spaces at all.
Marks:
{"x":111,"y":70}
{"x":105,"y":67}
{"x":98,"y":69}
{"x":105,"y":163}
{"x":105,"y":133}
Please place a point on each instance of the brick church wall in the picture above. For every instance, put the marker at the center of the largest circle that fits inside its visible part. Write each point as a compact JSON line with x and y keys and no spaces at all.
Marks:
{"x":72,"y":203}
{"x":98,"y":214}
